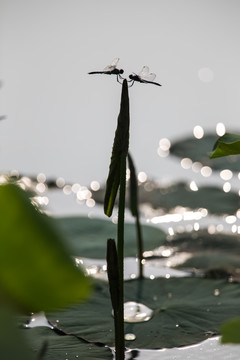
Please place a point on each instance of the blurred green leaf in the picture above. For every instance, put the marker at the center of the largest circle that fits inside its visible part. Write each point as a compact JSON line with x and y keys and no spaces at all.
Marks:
{"x":228,"y":144}
{"x":231,"y":332}
{"x":36,"y":272}
{"x":212,"y":198}
{"x":198,"y":151}
{"x":88,"y":237}
{"x":205,"y":251}
{"x":12,"y":343}
{"x":120,"y":148}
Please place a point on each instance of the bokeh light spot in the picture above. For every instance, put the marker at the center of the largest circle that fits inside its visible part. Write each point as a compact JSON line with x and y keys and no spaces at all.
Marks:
{"x":198,"y":132}
{"x":220,"y":129}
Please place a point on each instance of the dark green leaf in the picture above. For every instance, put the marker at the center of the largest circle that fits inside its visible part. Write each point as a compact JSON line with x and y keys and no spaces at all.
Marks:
{"x":63,"y":347}
{"x":231,"y":332}
{"x":36,"y":272}
{"x":186,"y":311}
{"x":87,"y":237}
{"x":120,"y":148}
{"x":228,"y":144}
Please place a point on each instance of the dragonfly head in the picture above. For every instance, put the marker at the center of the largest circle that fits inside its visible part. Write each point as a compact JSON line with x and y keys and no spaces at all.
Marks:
{"x":121,"y":71}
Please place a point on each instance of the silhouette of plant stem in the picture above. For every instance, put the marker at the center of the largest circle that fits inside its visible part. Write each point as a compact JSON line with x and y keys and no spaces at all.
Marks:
{"x":135,"y":212}
{"x":117,"y":181}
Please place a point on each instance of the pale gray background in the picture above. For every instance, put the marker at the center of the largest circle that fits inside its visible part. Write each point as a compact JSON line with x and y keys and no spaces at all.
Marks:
{"x":61,"y":121}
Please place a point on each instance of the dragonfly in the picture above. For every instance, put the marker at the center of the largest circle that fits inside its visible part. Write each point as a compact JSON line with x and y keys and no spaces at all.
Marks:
{"x":110,"y":69}
{"x":143,"y":77}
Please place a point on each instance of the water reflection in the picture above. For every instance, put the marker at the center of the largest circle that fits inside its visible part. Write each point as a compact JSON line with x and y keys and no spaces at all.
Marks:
{"x":180,"y":214}
{"x":208,"y":349}
{"x":186,"y":163}
{"x":38,"y":319}
{"x":130,"y":337}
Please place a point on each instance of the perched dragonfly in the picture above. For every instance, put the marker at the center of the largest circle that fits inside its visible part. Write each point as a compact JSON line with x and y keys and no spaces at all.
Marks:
{"x":143,"y":77}
{"x":110,"y":69}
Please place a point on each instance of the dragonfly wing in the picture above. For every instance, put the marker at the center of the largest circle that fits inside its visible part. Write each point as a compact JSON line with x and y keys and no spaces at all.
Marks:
{"x":115,"y":62}
{"x":149,"y":77}
{"x":112,"y":66}
{"x":145,"y":75}
{"x":144,"y":72}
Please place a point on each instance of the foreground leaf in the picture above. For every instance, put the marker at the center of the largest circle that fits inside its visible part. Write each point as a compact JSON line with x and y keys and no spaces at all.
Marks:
{"x":186,"y":311}
{"x":12,"y":342}
{"x":88,"y":237}
{"x":228,"y":144}
{"x":120,"y":148}
{"x":36,"y":272}
{"x":231,"y":332}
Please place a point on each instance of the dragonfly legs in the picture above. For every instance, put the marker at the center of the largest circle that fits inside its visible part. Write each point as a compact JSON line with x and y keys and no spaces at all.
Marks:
{"x":119,"y":77}
{"x":131,"y":82}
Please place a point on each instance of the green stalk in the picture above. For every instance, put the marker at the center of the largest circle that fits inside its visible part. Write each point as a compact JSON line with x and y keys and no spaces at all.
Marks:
{"x":113,"y":278}
{"x":140,"y":246}
{"x":121,"y":215}
{"x":120,"y":250}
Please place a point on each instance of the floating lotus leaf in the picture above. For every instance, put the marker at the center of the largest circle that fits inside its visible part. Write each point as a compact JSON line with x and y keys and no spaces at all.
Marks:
{"x":209,"y":197}
{"x":199,"y":149}
{"x":214,"y":261}
{"x":63,"y":347}
{"x":201,"y":240}
{"x":186,"y":311}
{"x":208,"y":251}
{"x":88,"y":237}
